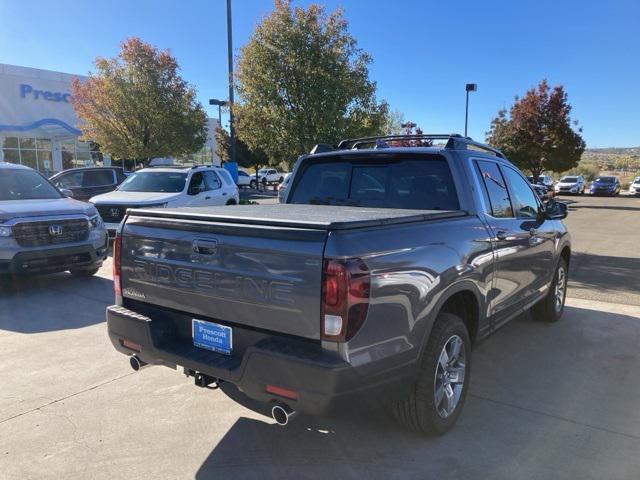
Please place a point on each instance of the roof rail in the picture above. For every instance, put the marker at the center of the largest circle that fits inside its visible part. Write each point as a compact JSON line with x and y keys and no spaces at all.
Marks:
{"x":455,"y":141}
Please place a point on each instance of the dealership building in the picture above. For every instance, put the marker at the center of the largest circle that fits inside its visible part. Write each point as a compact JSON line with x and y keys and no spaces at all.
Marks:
{"x":39,"y":128}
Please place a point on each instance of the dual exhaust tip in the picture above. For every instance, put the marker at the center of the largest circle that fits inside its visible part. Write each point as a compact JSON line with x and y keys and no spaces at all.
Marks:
{"x":281,"y":413}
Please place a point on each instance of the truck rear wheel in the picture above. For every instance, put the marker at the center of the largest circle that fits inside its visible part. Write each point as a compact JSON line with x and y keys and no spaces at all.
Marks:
{"x":550,"y":308}
{"x":436,"y":399}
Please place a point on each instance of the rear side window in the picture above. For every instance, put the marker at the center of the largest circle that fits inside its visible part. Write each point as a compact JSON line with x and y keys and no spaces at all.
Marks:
{"x":524,"y":200}
{"x":97,"y":178}
{"x":416,"y":182}
{"x":213,"y":182}
{"x":495,"y":189}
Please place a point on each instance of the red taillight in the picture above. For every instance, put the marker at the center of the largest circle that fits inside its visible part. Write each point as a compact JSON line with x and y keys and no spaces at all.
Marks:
{"x":345,"y":298}
{"x":281,"y":392}
{"x":117,"y":247}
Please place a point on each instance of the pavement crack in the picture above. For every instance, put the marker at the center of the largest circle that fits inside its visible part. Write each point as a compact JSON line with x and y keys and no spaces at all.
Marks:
{"x":53,"y":402}
{"x":557,"y":417}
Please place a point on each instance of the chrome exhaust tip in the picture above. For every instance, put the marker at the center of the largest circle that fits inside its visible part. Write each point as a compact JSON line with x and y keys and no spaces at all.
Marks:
{"x":136,"y":363}
{"x":283,"y":414}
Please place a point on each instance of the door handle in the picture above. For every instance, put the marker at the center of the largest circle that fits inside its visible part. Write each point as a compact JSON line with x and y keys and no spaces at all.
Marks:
{"x":224,"y":194}
{"x":501,"y":235}
{"x":207,"y":198}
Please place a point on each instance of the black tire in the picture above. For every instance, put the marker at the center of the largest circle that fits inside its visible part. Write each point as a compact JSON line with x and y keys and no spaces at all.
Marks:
{"x":419,"y":411}
{"x":252,"y":184}
{"x":281,"y":180}
{"x":231,"y":202}
{"x":547,"y":309}
{"x":88,"y":272}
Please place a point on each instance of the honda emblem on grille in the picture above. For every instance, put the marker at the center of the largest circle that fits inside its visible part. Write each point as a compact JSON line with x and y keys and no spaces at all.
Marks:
{"x":55,"y":230}
{"x":114,"y":212}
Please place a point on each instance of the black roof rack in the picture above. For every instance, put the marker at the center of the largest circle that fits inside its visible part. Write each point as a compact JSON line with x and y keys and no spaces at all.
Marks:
{"x":455,"y":141}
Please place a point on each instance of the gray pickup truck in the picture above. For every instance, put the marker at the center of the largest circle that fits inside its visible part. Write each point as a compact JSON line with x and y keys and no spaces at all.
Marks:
{"x":369,"y":285}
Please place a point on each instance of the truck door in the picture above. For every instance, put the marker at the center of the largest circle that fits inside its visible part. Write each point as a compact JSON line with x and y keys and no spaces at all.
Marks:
{"x":528,"y":210}
{"x":512,"y":278}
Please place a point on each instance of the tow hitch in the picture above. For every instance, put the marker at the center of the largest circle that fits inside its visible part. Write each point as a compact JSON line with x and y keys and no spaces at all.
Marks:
{"x":203,"y":380}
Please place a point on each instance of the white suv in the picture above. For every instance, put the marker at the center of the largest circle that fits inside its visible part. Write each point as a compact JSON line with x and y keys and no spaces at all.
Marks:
{"x":167,"y":187}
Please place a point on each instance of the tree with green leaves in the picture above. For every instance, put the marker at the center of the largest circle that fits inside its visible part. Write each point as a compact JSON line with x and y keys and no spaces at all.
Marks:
{"x":245,"y":156}
{"x":302,"y":80}
{"x":537,"y":134}
{"x":136,"y":105}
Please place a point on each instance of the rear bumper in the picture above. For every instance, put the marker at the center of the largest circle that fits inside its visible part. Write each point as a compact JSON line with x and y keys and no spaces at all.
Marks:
{"x":53,"y":260}
{"x":324,"y":383}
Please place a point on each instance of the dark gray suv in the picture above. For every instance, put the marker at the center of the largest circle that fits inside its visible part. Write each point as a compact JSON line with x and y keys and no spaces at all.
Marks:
{"x":43,"y":231}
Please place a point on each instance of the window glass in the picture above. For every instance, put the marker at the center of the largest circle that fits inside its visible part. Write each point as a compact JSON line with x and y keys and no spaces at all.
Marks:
{"x":197,"y":184}
{"x":226,"y":177}
{"x":25,"y":185}
{"x":28,"y":158}
{"x":42,"y":156}
{"x":11,"y":142}
{"x":94,"y":178}
{"x":27,"y":142}
{"x":154,"y":182}
{"x":212,"y":180}
{"x":410,"y":181}
{"x":68,"y":146}
{"x":495,"y":188}
{"x":69,"y":180}
{"x":524,"y":199}
{"x":11,"y":156}
{"x":43,"y":143}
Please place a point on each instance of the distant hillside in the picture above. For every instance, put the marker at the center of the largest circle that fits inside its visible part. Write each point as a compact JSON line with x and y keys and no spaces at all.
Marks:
{"x":614,"y":150}
{"x":613,"y":158}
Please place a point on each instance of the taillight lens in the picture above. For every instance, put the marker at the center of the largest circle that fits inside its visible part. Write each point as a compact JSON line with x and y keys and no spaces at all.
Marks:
{"x":346,"y":286}
{"x":117,"y":248}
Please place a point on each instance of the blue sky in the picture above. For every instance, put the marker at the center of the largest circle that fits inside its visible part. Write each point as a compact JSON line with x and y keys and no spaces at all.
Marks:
{"x":423,"y":51}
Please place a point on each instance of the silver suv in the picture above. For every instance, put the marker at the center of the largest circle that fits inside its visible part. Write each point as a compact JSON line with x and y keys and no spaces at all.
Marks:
{"x":43,"y":231}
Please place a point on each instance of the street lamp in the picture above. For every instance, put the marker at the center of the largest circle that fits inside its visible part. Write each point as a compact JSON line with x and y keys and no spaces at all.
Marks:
{"x":220,"y":104}
{"x":232,"y":130}
{"x":470,"y":87}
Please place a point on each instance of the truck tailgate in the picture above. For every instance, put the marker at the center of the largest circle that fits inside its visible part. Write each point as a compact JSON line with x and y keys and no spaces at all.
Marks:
{"x":267,"y":277}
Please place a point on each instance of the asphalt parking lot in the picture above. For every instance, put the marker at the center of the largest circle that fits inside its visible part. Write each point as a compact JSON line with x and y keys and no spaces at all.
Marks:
{"x":546,"y":401}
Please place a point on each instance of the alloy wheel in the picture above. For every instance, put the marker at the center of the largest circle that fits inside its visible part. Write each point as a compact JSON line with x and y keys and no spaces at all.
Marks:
{"x":450,"y":376}
{"x":561,"y":287}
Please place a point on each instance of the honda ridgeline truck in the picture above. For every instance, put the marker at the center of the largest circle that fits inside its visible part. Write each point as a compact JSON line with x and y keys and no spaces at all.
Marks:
{"x":370,"y":283}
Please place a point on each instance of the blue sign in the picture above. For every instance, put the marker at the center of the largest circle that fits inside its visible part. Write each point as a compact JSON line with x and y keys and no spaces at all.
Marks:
{"x":30,"y":92}
{"x":212,"y":336}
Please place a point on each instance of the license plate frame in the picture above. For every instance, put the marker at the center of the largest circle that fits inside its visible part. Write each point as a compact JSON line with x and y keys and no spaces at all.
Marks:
{"x":212,"y":336}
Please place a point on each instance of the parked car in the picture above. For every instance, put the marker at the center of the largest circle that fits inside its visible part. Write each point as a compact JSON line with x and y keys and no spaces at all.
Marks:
{"x":282,"y":187}
{"x":543,"y":193}
{"x":346,"y":295}
{"x":545,"y":180}
{"x":634,"y":188}
{"x":167,"y":187}
{"x":572,"y":184}
{"x":43,"y":231}
{"x":244,"y":179}
{"x":270,"y":175}
{"x":88,"y":182}
{"x":609,"y":186}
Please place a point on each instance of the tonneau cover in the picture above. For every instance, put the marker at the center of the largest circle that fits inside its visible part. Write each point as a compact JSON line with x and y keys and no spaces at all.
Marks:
{"x":317,"y":217}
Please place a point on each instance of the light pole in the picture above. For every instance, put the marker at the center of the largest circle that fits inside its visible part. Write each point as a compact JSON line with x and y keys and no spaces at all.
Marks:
{"x":220,"y":104}
{"x":232,"y":131}
{"x":470,"y":87}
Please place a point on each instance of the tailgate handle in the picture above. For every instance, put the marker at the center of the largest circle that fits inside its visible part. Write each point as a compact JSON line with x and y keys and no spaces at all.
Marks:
{"x":205,"y":247}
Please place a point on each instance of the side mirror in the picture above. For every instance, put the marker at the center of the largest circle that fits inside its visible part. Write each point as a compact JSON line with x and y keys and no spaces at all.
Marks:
{"x":66,"y":192}
{"x":555,"y":210}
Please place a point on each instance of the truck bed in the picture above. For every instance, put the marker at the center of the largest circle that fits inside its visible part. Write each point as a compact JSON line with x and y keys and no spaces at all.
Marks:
{"x":316,"y":217}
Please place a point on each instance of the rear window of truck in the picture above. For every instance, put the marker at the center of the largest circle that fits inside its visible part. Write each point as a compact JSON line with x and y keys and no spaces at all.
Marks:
{"x":408,"y":182}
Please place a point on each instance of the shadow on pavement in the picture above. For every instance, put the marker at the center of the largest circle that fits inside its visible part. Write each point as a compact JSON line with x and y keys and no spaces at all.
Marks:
{"x":600,"y":272}
{"x":60,"y":301}
{"x":534,"y":410}
{"x":579,"y":206}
